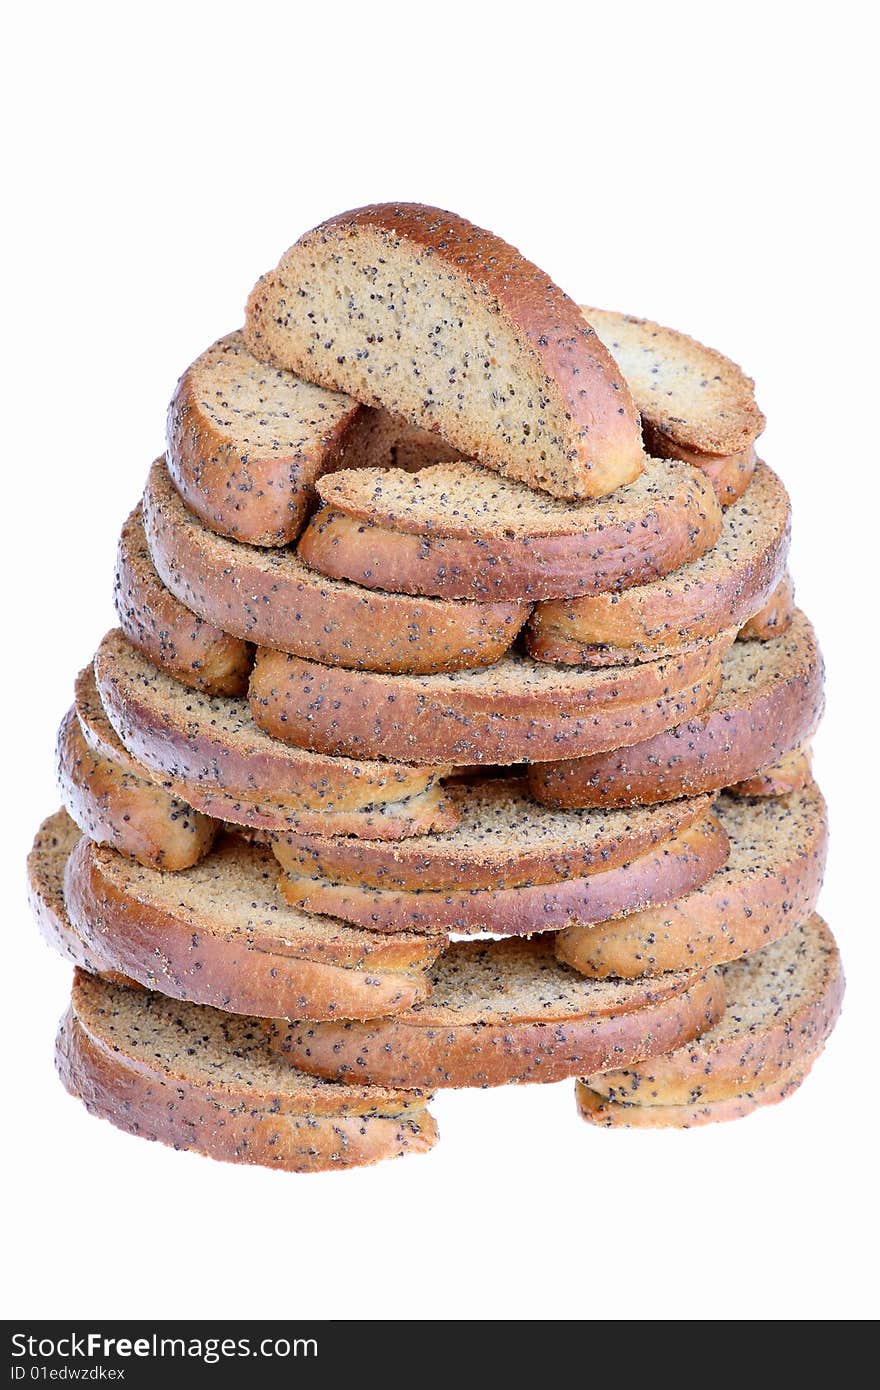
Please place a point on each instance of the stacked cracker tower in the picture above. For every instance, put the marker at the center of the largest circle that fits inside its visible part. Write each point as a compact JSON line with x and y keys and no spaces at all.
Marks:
{"x":456,"y":729}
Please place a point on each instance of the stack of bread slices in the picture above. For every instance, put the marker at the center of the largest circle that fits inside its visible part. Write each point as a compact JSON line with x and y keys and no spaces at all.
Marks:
{"x":455,"y":731}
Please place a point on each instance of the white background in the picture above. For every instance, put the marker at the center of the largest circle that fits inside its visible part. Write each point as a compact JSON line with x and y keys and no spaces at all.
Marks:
{"x":707,"y":165}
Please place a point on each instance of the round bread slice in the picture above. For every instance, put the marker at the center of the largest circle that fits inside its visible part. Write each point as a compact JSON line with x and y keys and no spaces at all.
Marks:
{"x":782,"y":1005}
{"x":198,"y":1079}
{"x":186,"y":646}
{"x":769,"y":884}
{"x":271,"y":597}
{"x":694,"y":403}
{"x":659,"y":875}
{"x":114,"y":806}
{"x":53,"y":844}
{"x":504,"y":1011}
{"x":721,"y":589}
{"x":459,"y":531}
{"x":220,"y":933}
{"x":598,"y":1109}
{"x":775,"y":618}
{"x":211,"y":750}
{"x":504,"y":839}
{"x":515,"y":711}
{"x":771,"y":699}
{"x":415,"y":309}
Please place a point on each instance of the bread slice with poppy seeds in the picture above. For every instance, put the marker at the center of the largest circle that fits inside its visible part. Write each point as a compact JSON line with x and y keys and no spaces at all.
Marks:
{"x":514,"y":711}
{"x":199,"y":1079}
{"x":507,"y":1011}
{"x":458,"y":530}
{"x":189,"y":647}
{"x":771,"y":699}
{"x":775,"y":618}
{"x":53,"y":844}
{"x":790,"y":773}
{"x":721,"y":589}
{"x":782,"y":1005}
{"x":220,"y":933}
{"x":272,"y":597}
{"x":769,"y":884}
{"x":695,"y":404}
{"x":416,"y":310}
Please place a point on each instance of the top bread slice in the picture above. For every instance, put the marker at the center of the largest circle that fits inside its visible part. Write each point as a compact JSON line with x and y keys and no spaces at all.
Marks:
{"x":416,"y":310}
{"x":457,"y":530}
{"x":695,"y":404}
{"x":199,"y":1079}
{"x":720,"y":589}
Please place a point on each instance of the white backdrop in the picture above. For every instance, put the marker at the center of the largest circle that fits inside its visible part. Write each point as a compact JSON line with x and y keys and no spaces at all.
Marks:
{"x":705,"y":165}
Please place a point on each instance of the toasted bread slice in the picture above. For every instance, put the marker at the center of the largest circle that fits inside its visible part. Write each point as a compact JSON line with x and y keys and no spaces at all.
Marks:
{"x":598,"y":1109}
{"x":695,"y":404}
{"x":198,"y":1079}
{"x":272,"y":597}
{"x":416,"y":310}
{"x":782,"y":1005}
{"x":212,"y":753}
{"x":514,"y":711}
{"x":771,"y":700}
{"x":459,"y":531}
{"x":220,"y":933}
{"x":504,"y":1011}
{"x":659,"y":875}
{"x":769,"y":884}
{"x":53,"y":844}
{"x":723,"y":588}
{"x":188,"y":647}
{"x":775,"y":618}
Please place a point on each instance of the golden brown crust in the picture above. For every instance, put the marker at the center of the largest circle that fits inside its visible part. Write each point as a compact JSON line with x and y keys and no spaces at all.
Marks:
{"x":745,"y":730}
{"x":53,"y":843}
{"x":509,"y":717}
{"x":188,"y":1116}
{"x":116,"y":807}
{"x":401,"y":1052}
{"x":769,"y":886}
{"x":627,"y":546}
{"x":188,"y":647}
{"x":599,"y":1110}
{"x":184,"y":955}
{"x":271,"y":597}
{"x":721,"y":589}
{"x":440,"y":861}
{"x":603,"y":446}
{"x":775,"y":618}
{"x":661,"y":875}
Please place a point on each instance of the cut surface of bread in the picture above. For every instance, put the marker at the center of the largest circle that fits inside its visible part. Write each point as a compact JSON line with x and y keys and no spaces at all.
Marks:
{"x":771,"y":700}
{"x":504,"y":839}
{"x":695,"y":404}
{"x":186,"y":645}
{"x":117,"y":807}
{"x":722,"y":588}
{"x":51,"y":849}
{"x":514,"y":711}
{"x":460,"y":531}
{"x":506,"y":1011}
{"x":199,"y":1079}
{"x":272,"y":597}
{"x":417,"y":310}
{"x":220,"y":933}
{"x":769,"y":885}
{"x":782,"y":1004}
{"x":659,"y":875}
{"x":775,"y":618}
{"x":204,"y":743}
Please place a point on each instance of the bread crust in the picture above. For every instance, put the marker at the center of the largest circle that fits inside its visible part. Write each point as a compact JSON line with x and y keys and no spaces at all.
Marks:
{"x":668,"y":614}
{"x":399,"y":1051}
{"x":189,"y":647}
{"x":603,"y":450}
{"x":622,"y":549}
{"x":115,"y":807}
{"x":743,"y":732}
{"x":599,"y":1110}
{"x":790,"y":773}
{"x":53,"y":843}
{"x":441,"y":862}
{"x":745,"y":906}
{"x":272,"y":598}
{"x":660,"y":875}
{"x":501,"y":720}
{"x":775,"y":618}
{"x":188,"y":956}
